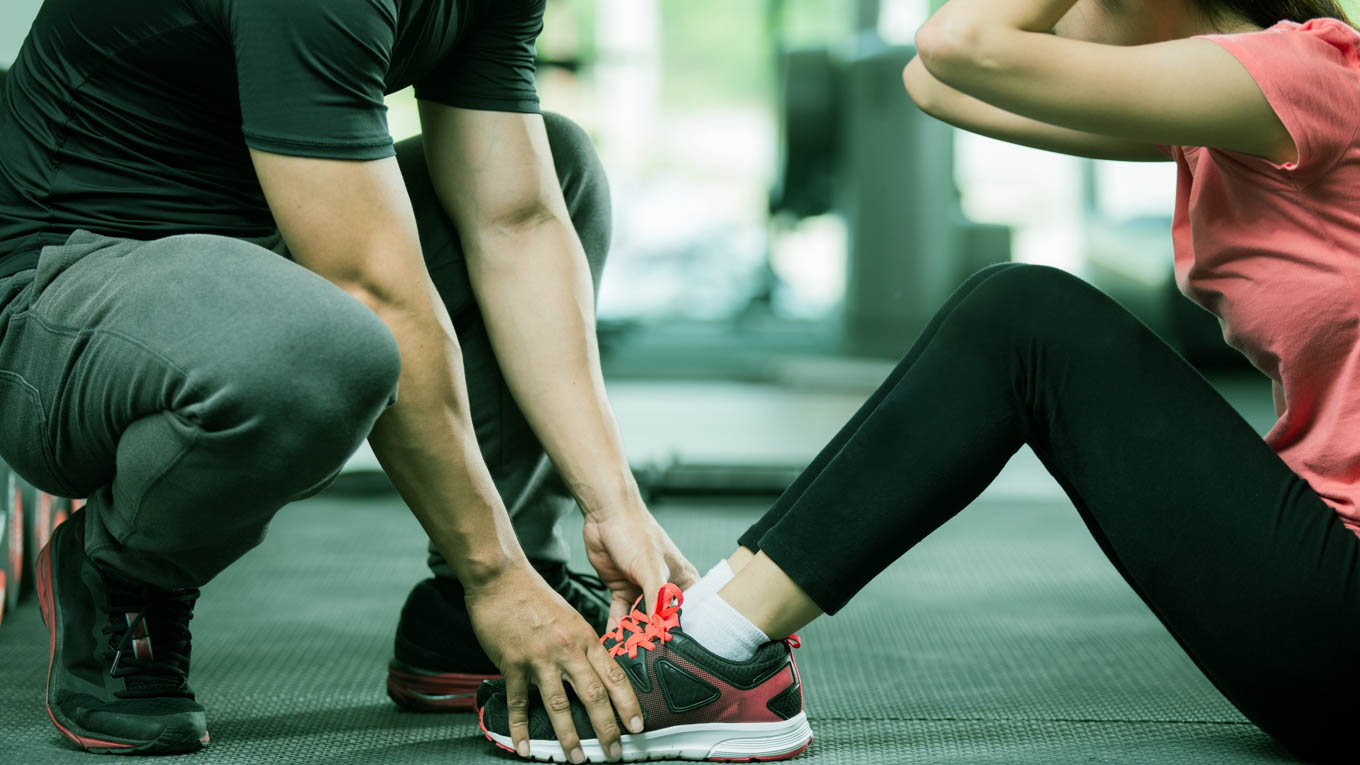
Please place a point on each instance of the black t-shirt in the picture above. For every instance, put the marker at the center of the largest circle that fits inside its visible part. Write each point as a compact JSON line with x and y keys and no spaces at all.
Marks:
{"x":133,"y":117}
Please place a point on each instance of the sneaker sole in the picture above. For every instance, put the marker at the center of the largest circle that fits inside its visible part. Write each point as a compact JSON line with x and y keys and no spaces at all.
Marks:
{"x":172,"y":740}
{"x":718,"y":742}
{"x":418,"y":690}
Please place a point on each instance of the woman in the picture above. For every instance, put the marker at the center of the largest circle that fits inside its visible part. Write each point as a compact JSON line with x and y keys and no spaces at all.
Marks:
{"x":1245,"y":549}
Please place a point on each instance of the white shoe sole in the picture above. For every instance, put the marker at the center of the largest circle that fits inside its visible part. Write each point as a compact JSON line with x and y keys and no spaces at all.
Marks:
{"x":727,"y":742}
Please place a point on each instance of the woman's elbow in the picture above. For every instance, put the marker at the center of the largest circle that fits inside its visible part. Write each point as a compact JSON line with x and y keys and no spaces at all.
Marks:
{"x":921,"y":87}
{"x":949,"y":46}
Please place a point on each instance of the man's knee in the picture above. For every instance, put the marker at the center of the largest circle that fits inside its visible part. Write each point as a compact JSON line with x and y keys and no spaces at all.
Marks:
{"x":576,"y":160}
{"x":351,"y":368}
{"x":584,"y":186}
{"x":317,"y":382}
{"x":365,"y":356}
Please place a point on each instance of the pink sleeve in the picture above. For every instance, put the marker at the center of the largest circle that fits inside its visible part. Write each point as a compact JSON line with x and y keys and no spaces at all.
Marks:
{"x":1310,"y":75}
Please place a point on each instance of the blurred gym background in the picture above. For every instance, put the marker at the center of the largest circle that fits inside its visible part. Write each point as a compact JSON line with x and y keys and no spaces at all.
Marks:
{"x":786,"y":220}
{"x":785,"y":223}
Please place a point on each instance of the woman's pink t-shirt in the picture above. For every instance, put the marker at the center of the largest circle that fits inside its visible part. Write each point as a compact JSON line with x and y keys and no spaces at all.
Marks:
{"x":1274,"y":250}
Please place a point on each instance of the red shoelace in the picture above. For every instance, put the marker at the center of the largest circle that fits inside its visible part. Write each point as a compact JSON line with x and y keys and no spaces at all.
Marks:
{"x":638,"y":630}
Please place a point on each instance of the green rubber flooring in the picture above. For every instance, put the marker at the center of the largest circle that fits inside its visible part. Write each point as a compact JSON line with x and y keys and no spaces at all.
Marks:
{"x":1005,"y":638}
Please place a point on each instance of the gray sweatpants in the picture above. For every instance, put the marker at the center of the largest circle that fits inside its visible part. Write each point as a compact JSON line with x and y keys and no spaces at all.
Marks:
{"x":191,"y":386}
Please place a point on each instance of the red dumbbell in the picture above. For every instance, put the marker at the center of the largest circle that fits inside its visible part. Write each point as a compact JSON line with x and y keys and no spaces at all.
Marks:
{"x":12,"y":540}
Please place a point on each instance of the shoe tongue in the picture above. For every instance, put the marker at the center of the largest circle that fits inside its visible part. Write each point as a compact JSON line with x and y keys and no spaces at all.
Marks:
{"x":154,"y":637}
{"x":156,"y":654}
{"x":139,"y":642}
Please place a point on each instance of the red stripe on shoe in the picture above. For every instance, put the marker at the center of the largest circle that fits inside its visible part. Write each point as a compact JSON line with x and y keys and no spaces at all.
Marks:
{"x":481,"y":723}
{"x":43,"y":584}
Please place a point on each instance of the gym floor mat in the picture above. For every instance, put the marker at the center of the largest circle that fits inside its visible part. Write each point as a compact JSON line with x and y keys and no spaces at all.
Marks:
{"x":1004,"y":638}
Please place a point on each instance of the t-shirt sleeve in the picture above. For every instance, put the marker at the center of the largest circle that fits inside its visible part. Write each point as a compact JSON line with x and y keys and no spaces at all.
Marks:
{"x":492,"y":68}
{"x":311,"y":75}
{"x":1310,"y":75}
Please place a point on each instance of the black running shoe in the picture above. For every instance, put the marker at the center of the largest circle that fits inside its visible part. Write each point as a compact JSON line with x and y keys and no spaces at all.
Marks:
{"x":696,"y":705}
{"x":438,"y":665}
{"x":117,"y":680}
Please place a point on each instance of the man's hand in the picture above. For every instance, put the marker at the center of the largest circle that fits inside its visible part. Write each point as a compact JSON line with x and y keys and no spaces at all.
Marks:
{"x":536,"y":638}
{"x":634,"y":556}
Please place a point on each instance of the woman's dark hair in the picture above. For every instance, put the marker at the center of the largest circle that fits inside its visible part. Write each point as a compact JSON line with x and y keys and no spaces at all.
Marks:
{"x":1268,"y":13}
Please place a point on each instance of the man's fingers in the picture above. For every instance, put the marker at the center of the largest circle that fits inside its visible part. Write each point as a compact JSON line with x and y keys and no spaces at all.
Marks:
{"x":652,"y":580}
{"x":624,"y":597}
{"x":620,"y":690}
{"x":558,"y":705}
{"x":618,"y":608}
{"x":517,"y":703}
{"x":683,"y":573}
{"x":595,"y":695}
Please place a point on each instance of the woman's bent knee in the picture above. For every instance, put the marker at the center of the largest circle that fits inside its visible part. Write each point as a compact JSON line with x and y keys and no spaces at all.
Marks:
{"x":1040,"y":303}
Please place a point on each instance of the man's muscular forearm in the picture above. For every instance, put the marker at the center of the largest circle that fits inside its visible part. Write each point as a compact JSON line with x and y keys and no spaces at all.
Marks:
{"x":426,"y":444}
{"x":533,"y":285}
{"x":494,"y":174}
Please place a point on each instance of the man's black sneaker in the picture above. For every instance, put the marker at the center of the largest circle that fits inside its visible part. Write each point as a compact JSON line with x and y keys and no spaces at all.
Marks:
{"x":117,"y":679}
{"x":438,"y":663}
{"x":696,"y":705}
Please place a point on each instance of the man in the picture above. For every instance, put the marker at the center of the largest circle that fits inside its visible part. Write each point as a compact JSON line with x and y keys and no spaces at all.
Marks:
{"x":216,"y":273}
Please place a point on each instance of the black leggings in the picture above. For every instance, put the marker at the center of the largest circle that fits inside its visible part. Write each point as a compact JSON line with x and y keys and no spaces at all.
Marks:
{"x":1246,"y":566}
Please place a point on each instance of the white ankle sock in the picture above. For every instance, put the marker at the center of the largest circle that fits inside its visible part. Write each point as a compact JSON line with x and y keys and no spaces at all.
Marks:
{"x":716,"y":578}
{"x":718,"y":626}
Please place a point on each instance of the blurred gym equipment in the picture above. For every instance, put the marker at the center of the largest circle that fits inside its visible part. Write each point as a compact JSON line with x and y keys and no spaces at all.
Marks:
{"x":27,"y":518}
{"x":853,"y":143}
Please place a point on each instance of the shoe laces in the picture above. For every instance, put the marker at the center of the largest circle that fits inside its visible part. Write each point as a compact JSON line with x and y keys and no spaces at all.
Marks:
{"x":588,"y":581}
{"x":618,"y":633}
{"x":638,"y":630}
{"x":159,"y":668}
